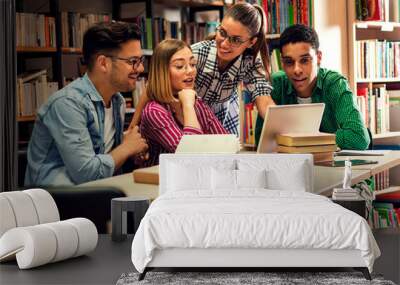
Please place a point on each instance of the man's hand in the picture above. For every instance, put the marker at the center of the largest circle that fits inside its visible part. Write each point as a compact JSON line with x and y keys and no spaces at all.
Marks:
{"x":134,"y":141}
{"x":132,"y":144}
{"x":187,"y":97}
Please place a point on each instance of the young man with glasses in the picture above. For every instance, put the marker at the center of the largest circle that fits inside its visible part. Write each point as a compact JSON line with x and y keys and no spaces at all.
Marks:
{"x":78,"y":134}
{"x":304,"y":81}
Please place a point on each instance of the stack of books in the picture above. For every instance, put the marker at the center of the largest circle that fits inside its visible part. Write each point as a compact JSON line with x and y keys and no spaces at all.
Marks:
{"x":321,"y":145}
{"x":346,"y":194}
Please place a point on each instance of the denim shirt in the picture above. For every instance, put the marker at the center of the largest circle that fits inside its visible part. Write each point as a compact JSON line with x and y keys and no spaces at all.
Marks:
{"x":67,"y":144}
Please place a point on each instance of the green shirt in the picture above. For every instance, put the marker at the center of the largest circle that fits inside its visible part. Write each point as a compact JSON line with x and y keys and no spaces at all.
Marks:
{"x":341,"y":114}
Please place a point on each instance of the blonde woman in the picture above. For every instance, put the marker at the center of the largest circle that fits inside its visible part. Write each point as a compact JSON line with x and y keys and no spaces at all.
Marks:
{"x":174,"y":109}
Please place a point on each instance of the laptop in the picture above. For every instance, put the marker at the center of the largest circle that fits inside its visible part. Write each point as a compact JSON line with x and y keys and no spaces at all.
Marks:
{"x":297,"y":118}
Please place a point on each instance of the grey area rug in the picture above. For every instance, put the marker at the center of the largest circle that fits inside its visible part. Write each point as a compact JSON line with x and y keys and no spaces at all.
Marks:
{"x":229,"y":278}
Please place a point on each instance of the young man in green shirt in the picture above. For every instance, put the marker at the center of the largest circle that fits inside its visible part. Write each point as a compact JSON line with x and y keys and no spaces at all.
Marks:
{"x":304,"y":81}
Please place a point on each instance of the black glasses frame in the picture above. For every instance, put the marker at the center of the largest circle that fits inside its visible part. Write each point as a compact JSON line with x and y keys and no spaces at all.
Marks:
{"x":235,"y":41}
{"x":134,"y":61}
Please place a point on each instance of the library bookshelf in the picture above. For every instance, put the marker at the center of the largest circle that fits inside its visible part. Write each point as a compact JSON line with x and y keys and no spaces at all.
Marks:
{"x":359,"y":31}
{"x":374,"y":59}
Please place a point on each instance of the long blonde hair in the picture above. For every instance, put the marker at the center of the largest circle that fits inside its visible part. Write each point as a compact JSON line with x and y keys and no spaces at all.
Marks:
{"x":159,"y":85}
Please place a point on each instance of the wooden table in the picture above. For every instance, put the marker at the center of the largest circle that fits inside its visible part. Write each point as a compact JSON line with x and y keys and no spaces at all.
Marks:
{"x":325,"y":178}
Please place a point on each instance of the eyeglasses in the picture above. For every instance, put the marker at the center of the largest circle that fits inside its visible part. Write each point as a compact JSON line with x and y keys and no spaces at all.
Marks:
{"x":234,"y":41}
{"x":304,"y":61}
{"x":134,"y":61}
{"x":184,"y":67}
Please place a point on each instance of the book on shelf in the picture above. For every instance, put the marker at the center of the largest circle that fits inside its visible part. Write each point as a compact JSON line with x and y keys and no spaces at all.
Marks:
{"x":305,"y":139}
{"x":393,"y":91}
{"x":35,"y":30}
{"x":154,"y":30}
{"x":33,"y":90}
{"x":74,"y":25}
{"x":147,"y":175}
{"x":373,"y":101}
{"x":378,"y":59}
{"x":385,"y":215}
{"x":283,"y":13}
{"x":381,"y":180}
{"x":30,"y":75}
{"x":307,"y":149}
{"x":375,"y":10}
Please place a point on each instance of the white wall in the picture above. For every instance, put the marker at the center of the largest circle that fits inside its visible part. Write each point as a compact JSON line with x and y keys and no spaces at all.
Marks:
{"x":330,"y":22}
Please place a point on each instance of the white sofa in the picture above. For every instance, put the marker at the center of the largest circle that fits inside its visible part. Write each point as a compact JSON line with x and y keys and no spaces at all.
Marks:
{"x":31,"y":231}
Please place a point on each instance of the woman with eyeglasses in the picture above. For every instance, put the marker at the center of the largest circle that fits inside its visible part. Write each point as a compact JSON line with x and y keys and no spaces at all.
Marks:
{"x":238,"y":53}
{"x":174,"y":109}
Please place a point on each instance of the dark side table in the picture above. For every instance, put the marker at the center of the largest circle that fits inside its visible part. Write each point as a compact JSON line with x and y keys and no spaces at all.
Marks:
{"x":119,"y":209}
{"x":356,"y":206}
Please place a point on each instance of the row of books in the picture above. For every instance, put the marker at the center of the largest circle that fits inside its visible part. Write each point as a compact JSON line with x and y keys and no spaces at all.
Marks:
{"x":384,"y":215}
{"x":381,"y":180}
{"x":378,"y":10}
{"x":33,"y":90}
{"x":154,"y":30}
{"x":378,"y":59}
{"x":373,"y":101}
{"x":74,"y":25}
{"x":196,"y":32}
{"x":283,"y":13}
{"x":35,"y":30}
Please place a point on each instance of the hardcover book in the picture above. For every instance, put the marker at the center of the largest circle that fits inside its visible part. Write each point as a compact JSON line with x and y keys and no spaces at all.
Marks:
{"x":305,"y":139}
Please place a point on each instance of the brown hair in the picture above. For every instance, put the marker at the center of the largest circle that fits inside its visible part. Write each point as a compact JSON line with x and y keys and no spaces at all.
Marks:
{"x":159,"y":85}
{"x":253,"y":17}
